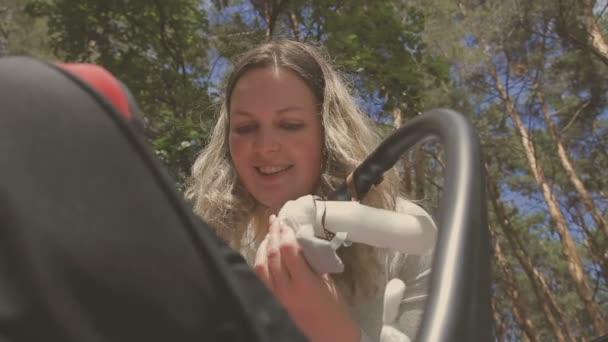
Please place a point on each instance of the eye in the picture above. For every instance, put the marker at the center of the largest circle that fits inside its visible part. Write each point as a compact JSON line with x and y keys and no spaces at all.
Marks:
{"x":245,"y":128}
{"x":292,"y":126}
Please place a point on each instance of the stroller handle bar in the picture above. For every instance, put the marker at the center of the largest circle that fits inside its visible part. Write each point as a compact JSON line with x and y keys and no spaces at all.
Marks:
{"x":459,"y":306}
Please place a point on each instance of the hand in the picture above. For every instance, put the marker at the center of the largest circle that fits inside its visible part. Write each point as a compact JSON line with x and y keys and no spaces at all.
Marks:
{"x":393,"y":295}
{"x":312,"y":300}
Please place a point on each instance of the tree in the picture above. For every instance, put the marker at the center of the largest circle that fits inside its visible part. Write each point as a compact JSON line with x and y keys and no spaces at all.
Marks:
{"x":540,"y":99}
{"x":20,"y":34}
{"x":158,"y":49}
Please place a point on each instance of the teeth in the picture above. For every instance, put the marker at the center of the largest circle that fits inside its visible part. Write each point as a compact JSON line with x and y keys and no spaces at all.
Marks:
{"x":269,"y":170}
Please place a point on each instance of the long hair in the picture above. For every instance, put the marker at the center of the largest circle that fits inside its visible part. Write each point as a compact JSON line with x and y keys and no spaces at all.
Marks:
{"x":349,"y":136}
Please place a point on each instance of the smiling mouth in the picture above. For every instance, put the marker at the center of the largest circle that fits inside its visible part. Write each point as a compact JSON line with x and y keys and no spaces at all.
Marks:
{"x":272,"y":170}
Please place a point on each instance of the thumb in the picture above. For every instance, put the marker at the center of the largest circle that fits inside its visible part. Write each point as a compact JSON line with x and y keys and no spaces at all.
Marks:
{"x":391,"y":334}
{"x":393,"y":295}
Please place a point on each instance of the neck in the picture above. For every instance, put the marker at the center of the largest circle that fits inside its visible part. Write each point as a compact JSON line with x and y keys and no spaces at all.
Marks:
{"x":260,"y":221}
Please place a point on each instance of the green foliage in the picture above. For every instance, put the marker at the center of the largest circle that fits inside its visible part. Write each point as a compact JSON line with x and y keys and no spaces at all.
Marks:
{"x":157,"y":48}
{"x":21,"y":34}
{"x":379,"y":47}
{"x":402,"y":56}
{"x":382,"y":47}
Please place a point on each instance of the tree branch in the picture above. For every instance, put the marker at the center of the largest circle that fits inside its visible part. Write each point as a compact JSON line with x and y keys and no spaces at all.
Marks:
{"x":294,"y":24}
{"x":574,"y":117}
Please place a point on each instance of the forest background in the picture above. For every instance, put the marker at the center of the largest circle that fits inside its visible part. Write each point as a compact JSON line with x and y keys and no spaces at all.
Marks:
{"x":531,"y":76}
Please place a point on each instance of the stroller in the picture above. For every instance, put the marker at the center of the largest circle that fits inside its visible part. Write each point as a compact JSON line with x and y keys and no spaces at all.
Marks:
{"x":96,"y":245}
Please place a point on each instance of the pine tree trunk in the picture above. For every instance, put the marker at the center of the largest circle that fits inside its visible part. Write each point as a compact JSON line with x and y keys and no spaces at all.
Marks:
{"x":564,"y":158}
{"x":294,"y":25}
{"x":550,"y":307}
{"x":500,"y":327}
{"x":595,"y":39}
{"x":510,"y":285}
{"x":596,"y":250}
{"x":270,"y":11}
{"x":575,"y":266}
{"x":499,"y":322}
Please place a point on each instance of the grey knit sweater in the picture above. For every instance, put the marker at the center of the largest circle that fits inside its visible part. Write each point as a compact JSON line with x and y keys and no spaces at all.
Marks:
{"x":414,"y":271}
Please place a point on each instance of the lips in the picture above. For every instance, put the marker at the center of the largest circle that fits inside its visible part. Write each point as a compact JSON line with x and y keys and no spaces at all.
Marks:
{"x":272,"y":170}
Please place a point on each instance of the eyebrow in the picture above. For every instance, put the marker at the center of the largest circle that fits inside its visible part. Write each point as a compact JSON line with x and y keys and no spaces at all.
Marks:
{"x":280,"y":111}
{"x":291,"y":109}
{"x":241,"y":112}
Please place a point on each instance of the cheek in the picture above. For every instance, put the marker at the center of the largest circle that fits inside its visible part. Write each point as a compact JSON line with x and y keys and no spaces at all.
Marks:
{"x":238,"y":152}
{"x":312,"y":161}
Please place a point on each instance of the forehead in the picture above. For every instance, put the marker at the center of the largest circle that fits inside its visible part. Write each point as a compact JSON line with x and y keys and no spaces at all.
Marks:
{"x":270,"y":88}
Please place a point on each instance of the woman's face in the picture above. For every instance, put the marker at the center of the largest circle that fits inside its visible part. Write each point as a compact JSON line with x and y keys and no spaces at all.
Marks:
{"x":275,"y":135}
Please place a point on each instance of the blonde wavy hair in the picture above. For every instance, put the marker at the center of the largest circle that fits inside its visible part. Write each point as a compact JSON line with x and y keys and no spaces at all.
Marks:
{"x":220,"y":198}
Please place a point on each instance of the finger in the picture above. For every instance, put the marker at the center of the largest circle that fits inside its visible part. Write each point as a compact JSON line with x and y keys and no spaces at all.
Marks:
{"x":277,"y":272}
{"x":261,"y":264}
{"x":292,"y":256}
{"x":271,"y":219}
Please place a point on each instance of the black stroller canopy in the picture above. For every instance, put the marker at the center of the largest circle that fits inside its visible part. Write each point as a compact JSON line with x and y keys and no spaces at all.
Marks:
{"x":95,"y":244}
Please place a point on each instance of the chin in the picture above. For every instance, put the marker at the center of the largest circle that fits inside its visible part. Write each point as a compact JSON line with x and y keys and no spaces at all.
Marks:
{"x":277,"y":202}
{"x":272,"y":203}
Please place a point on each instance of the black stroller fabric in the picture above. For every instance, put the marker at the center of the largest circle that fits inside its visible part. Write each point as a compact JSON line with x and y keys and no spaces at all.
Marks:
{"x":95,"y":244}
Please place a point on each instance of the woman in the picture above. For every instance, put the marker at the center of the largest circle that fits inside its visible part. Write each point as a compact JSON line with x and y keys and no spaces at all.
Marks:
{"x":289,"y":127}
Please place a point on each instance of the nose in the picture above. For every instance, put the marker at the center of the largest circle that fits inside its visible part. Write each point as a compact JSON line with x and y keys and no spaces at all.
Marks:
{"x":266,"y":142}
